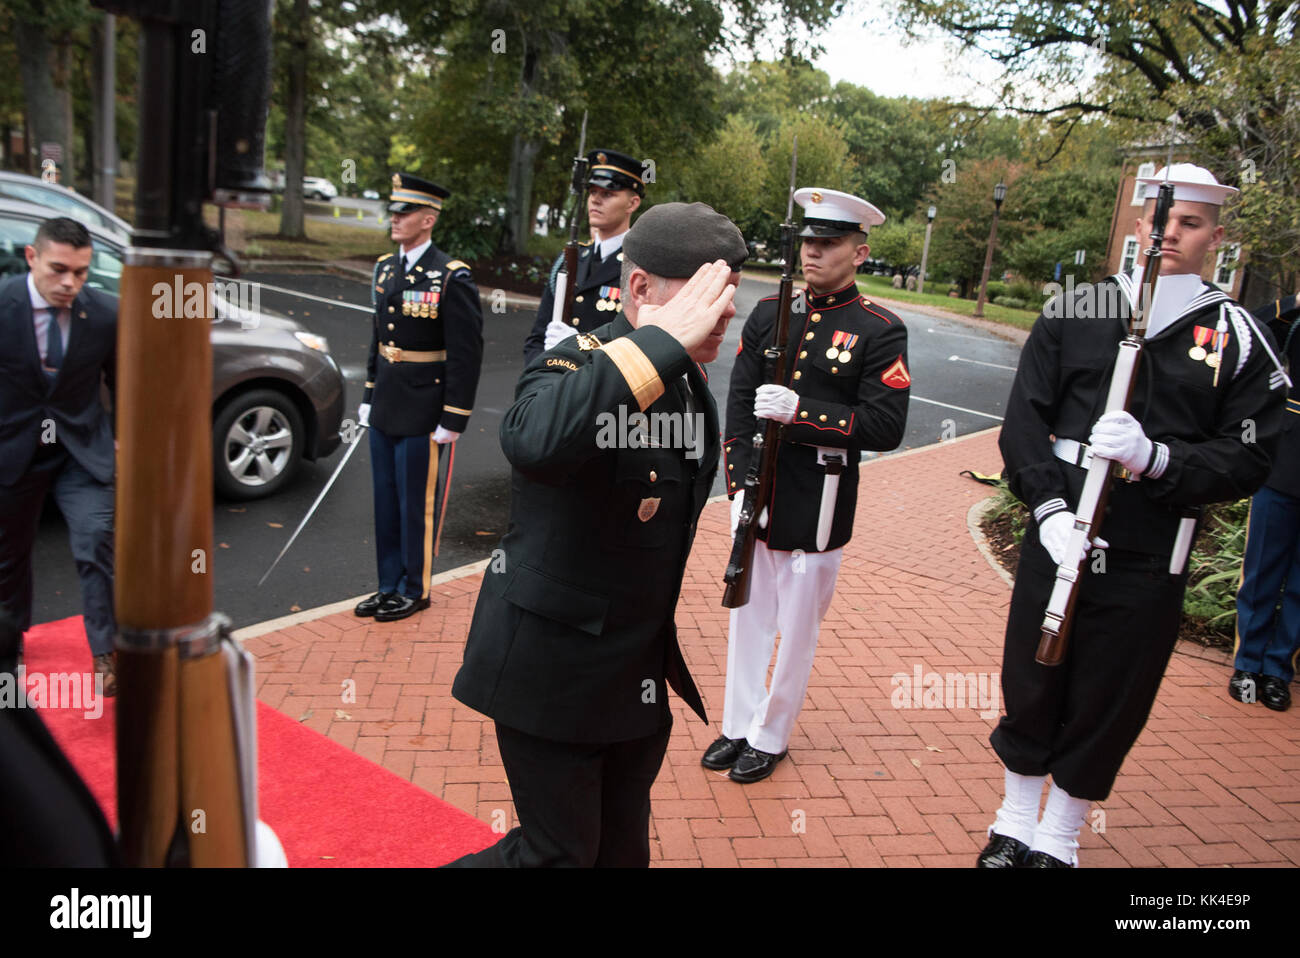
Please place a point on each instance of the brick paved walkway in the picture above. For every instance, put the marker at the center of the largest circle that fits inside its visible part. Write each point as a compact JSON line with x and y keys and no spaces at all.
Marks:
{"x":874,"y":777}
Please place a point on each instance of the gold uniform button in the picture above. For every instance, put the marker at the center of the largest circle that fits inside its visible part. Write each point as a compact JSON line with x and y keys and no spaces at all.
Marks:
{"x":822,"y":417}
{"x":731,"y":465}
{"x":653,"y":475}
{"x":391,"y":343}
{"x":390,"y":309}
{"x":577,"y":299}
{"x":843,"y":423}
{"x":797,"y":374}
{"x":803,"y":415}
{"x":816,"y":317}
{"x":575,"y":320}
{"x":835,"y":369}
{"x":390,"y":325}
{"x":809,"y":336}
{"x":803,"y":354}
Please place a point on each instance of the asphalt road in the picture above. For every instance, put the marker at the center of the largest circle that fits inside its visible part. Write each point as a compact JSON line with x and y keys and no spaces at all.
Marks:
{"x":961,"y":377}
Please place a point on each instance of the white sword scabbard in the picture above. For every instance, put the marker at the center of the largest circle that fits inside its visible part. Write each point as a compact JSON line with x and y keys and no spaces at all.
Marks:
{"x":1182,"y":545}
{"x":833,"y":461}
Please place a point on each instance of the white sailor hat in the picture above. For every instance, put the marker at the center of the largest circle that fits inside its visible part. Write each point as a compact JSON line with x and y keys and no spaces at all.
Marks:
{"x":1195,"y":184}
{"x":832,"y":213}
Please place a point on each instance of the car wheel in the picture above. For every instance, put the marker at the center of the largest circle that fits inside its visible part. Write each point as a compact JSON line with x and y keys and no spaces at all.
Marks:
{"x":257,"y":440}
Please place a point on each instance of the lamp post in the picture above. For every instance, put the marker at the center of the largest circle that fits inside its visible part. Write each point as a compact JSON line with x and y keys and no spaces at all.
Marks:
{"x":925,"y":250}
{"x":999,"y":194}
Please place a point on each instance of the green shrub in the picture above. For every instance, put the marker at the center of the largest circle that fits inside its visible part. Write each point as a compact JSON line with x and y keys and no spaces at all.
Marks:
{"x":995,"y":289}
{"x":1026,"y":292}
{"x":1010,"y":302}
{"x":1215,"y":567}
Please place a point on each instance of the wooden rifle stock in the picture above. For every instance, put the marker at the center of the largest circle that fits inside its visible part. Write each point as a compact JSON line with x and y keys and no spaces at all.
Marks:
{"x":1058,"y":618}
{"x":760,"y":475}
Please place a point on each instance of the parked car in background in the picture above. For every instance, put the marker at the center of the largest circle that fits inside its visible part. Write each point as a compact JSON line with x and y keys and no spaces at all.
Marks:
{"x":277,"y":393}
{"x":318,"y":188}
{"x":33,"y":189}
{"x":370,"y":194}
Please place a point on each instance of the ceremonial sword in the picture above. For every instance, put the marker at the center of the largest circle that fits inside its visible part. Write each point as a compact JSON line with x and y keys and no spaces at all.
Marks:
{"x":352,"y":447}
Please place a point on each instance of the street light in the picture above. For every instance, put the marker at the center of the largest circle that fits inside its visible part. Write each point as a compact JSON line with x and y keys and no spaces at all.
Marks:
{"x":999,"y":194}
{"x":925,"y":251}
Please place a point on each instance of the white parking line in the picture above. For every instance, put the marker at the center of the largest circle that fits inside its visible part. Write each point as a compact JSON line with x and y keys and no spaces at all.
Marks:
{"x":979,"y":362}
{"x":319,"y":299}
{"x":947,"y":405}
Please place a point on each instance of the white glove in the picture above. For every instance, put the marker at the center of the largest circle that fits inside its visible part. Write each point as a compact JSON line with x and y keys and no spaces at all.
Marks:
{"x":363,"y":414}
{"x":1054,"y":534}
{"x":776,"y":403}
{"x":738,"y":503}
{"x":1119,"y":436}
{"x":441,"y":435}
{"x":556,"y":333}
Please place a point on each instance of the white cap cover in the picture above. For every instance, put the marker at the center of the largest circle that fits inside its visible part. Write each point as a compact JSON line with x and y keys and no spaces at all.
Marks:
{"x":832,"y":213}
{"x":1195,"y":184}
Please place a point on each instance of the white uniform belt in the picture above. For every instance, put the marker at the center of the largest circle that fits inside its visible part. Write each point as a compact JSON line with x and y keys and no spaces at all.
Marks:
{"x":1072,"y":451}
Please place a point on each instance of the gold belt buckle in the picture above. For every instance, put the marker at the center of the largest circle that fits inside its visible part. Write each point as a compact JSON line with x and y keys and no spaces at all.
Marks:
{"x":393,"y":354}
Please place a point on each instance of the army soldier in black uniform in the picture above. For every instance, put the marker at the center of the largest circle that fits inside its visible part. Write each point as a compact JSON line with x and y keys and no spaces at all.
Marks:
{"x":573,"y":640}
{"x":1204,"y":418}
{"x":614,"y":191}
{"x":1268,"y":637}
{"x":846,"y":391}
{"x":421,"y":376}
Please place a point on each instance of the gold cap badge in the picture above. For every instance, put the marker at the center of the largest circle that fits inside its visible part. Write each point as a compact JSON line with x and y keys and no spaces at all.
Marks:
{"x":397,"y":181}
{"x":816,"y":197}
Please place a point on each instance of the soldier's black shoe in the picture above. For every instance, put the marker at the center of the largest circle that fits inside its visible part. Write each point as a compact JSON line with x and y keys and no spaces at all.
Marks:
{"x":400,"y":607}
{"x":753,"y":766}
{"x":1044,"y":860}
{"x":723,"y":753}
{"x":1274,"y":693}
{"x":1002,"y":852}
{"x":1244,"y":686}
{"x":368,"y":607}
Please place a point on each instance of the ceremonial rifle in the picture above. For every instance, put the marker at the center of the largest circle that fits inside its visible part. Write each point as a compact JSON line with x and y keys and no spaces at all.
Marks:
{"x":767,"y":436}
{"x":186,"y":751}
{"x":1059,"y":616}
{"x":566,"y":275}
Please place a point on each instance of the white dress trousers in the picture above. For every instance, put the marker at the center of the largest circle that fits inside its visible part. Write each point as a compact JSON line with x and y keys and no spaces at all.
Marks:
{"x":790,"y":593}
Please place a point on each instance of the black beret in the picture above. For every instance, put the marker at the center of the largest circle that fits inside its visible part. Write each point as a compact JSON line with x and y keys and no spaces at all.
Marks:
{"x":673,"y":240}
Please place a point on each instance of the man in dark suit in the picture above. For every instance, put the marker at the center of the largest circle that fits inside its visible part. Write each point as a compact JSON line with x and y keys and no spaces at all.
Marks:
{"x":615,"y":190}
{"x":55,"y":435}
{"x":573,"y":638}
{"x":1268,"y":597}
{"x":426,"y":349}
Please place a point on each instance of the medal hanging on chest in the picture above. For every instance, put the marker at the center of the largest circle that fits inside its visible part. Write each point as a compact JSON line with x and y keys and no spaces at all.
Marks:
{"x":1202,"y":335}
{"x":842,"y":344}
{"x":610,"y":299}
{"x":420,"y":303}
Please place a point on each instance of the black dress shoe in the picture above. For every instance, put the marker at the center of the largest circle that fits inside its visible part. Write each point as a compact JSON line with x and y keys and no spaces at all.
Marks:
{"x":1044,"y":860}
{"x":368,"y":607}
{"x":1002,"y":852}
{"x":723,"y":753}
{"x":1274,"y":693}
{"x":1244,"y":686}
{"x":400,"y":607}
{"x":753,"y":766}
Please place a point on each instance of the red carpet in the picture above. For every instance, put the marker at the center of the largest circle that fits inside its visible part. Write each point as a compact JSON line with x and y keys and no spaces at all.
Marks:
{"x":328,"y":805}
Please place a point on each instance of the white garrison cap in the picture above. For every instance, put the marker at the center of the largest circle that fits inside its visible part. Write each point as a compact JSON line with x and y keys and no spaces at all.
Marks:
{"x":832,"y":213}
{"x":1195,"y":184}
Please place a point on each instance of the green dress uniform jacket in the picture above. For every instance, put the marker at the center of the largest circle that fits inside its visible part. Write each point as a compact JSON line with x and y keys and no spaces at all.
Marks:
{"x":430,"y":309}
{"x":573,"y":635}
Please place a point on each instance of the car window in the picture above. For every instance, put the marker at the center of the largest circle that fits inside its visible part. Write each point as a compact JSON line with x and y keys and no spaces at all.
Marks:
{"x":15,"y":234}
{"x":53,"y":199}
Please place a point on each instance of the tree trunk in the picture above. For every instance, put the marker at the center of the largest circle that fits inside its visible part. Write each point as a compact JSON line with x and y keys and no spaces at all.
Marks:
{"x":104,"y":94}
{"x":295,"y":125}
{"x":519,"y":190}
{"x":43,"y":66}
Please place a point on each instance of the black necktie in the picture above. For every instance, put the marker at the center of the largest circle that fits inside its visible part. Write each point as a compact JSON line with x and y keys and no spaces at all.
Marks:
{"x":54,"y":342}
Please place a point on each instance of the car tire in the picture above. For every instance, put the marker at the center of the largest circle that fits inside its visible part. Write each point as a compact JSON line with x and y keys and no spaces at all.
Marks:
{"x":257,"y":442}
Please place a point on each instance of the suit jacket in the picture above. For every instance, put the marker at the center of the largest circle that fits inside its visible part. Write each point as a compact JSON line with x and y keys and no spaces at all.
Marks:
{"x":1281,"y":316}
{"x":596,"y":297}
{"x":573,"y":635}
{"x":72,"y":400}
{"x":433,"y":307}
{"x":855,"y":400}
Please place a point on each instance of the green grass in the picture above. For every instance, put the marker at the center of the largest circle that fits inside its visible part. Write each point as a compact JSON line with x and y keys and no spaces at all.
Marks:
{"x":881,"y":287}
{"x":255,"y":234}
